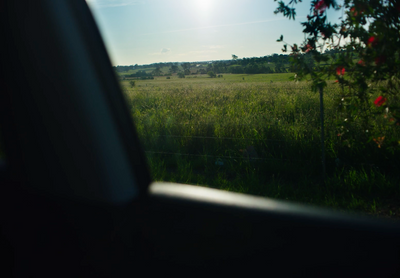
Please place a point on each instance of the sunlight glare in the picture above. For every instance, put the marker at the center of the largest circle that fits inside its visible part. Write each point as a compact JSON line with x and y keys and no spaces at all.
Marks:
{"x":203,"y":6}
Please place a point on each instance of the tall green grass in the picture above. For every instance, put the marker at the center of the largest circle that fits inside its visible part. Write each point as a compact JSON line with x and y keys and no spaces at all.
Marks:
{"x":261,"y":137}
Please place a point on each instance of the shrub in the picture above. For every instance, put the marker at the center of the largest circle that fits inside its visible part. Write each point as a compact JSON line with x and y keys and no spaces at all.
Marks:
{"x":211,"y":74}
{"x":361,"y":52}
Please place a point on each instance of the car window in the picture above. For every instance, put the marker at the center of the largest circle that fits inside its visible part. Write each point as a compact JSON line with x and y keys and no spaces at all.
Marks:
{"x":214,"y":103}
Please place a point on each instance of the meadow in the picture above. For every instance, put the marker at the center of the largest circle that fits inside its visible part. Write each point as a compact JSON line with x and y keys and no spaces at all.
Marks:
{"x":260,"y":134}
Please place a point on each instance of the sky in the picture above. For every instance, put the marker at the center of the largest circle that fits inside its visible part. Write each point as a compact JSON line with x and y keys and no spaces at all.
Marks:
{"x":153,"y":31}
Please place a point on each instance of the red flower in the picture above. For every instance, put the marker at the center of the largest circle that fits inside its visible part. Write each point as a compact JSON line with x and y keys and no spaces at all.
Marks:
{"x":336,"y":81}
{"x":308,"y":48}
{"x":320,"y":6}
{"x":372,"y":41}
{"x":361,"y":63}
{"x":379,"y":101}
{"x":340,"y":70}
{"x":356,"y":12}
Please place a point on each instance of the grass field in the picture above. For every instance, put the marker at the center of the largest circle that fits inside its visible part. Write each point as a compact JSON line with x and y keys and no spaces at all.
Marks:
{"x":260,"y":134}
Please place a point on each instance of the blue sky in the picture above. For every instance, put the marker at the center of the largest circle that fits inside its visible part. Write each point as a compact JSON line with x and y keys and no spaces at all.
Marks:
{"x":151,"y":31}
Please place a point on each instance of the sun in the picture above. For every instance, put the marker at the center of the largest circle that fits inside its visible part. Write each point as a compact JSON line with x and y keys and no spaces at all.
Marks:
{"x":203,"y":6}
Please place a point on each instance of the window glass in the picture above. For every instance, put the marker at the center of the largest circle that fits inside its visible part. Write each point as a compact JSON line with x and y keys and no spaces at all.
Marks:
{"x":214,"y":102}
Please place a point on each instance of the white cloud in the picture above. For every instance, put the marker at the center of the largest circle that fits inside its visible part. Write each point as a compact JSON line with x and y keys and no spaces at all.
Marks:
{"x":162,"y":52}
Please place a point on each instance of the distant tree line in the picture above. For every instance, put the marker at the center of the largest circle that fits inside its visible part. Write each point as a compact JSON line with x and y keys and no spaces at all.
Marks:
{"x":268,"y":64}
{"x":141,"y":74}
{"x":125,"y":68}
{"x":275,"y":63}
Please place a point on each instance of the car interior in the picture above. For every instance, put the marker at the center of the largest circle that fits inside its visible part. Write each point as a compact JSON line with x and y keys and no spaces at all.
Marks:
{"x":78,"y":199}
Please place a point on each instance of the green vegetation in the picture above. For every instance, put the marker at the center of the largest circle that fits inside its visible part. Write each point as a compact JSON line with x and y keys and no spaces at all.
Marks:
{"x":268,"y":64}
{"x":211,"y":74}
{"x":361,"y":44}
{"x":259,"y":134}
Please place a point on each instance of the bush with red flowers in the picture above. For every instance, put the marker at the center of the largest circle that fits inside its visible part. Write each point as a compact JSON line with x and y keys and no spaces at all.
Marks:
{"x":365,"y":45}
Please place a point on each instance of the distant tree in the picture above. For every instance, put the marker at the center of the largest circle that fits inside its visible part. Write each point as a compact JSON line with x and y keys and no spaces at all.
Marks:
{"x":187,"y":71}
{"x":234,"y":57}
{"x":186,"y":66}
{"x":173,"y":69}
{"x":132,"y":83}
{"x":211,"y":74}
{"x":157,"y":71}
{"x":202,"y":71}
{"x":181,"y":74}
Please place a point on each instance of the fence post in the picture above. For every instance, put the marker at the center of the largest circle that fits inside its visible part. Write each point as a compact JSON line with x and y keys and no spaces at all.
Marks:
{"x":321,"y":109}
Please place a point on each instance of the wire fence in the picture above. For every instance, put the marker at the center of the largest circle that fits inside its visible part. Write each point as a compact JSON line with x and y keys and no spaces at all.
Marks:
{"x":246,"y":156}
{"x":255,"y":159}
{"x":225,"y":138}
{"x":216,"y":124}
{"x":229,"y":157}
